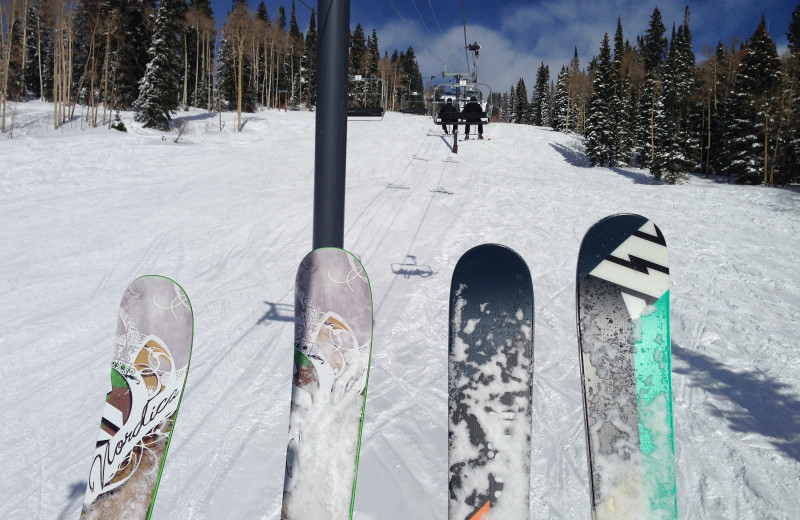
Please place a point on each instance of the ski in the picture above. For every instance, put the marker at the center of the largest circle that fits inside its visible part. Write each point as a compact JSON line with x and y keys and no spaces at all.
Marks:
{"x":624,"y":336}
{"x":148,"y":375}
{"x":490,"y":385}
{"x":332,"y":350}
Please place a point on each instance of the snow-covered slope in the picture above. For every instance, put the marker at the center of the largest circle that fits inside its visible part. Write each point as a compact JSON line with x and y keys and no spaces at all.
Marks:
{"x":228,"y":215}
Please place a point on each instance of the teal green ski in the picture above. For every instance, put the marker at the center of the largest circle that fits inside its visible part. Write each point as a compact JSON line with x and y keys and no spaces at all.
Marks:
{"x":624,"y":335}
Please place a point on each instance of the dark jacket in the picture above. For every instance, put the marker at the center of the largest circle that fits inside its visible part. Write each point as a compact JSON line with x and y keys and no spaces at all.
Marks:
{"x":448,"y":113}
{"x":473,"y":112}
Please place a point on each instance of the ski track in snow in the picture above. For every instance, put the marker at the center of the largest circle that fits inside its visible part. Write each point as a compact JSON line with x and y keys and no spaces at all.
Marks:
{"x":228,"y":216}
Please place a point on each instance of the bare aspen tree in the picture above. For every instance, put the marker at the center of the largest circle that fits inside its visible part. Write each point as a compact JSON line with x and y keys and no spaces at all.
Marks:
{"x":238,"y":27}
{"x":8,"y":14}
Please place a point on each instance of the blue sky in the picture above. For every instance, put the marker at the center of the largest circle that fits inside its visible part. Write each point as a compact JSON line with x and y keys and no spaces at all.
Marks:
{"x":517,"y":36}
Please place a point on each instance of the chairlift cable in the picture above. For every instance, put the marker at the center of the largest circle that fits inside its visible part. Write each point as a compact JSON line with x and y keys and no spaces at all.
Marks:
{"x":436,"y":19}
{"x":305,"y":5}
{"x":464,"y":13}
{"x":416,"y":36}
{"x":420,"y":16}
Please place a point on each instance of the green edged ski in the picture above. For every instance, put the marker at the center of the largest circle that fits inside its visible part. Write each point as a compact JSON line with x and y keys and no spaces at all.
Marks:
{"x":624,"y":335}
{"x":332,"y":349}
{"x":148,"y":375}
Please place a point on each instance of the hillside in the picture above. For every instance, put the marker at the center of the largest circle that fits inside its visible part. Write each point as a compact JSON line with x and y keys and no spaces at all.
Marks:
{"x":228,"y":215}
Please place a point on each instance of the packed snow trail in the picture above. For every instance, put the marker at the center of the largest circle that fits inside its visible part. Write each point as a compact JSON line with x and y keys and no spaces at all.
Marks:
{"x":228,"y":215}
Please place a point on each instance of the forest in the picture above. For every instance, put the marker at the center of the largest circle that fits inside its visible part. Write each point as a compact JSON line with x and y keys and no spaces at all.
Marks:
{"x":651,"y":104}
{"x":654,"y":105}
{"x":154,"y":57}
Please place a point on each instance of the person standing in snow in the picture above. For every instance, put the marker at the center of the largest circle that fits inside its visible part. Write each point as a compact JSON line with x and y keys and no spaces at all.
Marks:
{"x":473,"y":114}
{"x":447,"y":114}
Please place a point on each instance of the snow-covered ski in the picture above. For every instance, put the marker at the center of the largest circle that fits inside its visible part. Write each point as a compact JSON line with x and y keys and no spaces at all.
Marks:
{"x":333,"y":345}
{"x":624,"y":335}
{"x":490,"y":385}
{"x":148,"y":374}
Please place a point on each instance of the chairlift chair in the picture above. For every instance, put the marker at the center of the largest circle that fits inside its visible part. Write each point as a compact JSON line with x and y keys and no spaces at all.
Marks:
{"x":413,"y":103}
{"x":460,"y":94}
{"x":366,"y":98}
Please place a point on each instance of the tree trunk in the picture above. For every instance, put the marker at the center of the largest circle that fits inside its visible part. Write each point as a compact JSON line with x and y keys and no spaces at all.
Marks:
{"x":185,"y":72}
{"x":239,"y":87}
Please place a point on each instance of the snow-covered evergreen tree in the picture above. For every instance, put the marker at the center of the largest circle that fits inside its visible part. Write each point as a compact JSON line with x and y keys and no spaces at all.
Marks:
{"x":158,"y":89}
{"x":292,"y":64}
{"x":504,"y":112}
{"x":677,"y":144}
{"x":308,"y":64}
{"x":625,"y":126}
{"x":791,"y":161}
{"x":512,"y":105}
{"x":133,"y":57}
{"x":603,"y":109}
{"x":541,"y":96}
{"x":521,"y":104}
{"x":751,"y":106}
{"x":560,"y":101}
{"x":654,"y":50}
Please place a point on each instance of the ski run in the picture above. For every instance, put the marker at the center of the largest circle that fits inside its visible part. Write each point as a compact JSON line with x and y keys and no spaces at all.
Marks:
{"x":228,"y":216}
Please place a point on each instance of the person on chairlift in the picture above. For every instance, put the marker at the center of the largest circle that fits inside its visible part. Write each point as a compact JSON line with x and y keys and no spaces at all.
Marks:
{"x":473,"y":113}
{"x":448,"y":114}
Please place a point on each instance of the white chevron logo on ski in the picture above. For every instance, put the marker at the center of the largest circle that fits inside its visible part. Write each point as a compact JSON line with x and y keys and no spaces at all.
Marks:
{"x":652,"y":283}
{"x":641,"y":248}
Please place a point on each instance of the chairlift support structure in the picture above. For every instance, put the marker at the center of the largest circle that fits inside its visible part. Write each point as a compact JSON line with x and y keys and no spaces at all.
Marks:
{"x":460,"y":86}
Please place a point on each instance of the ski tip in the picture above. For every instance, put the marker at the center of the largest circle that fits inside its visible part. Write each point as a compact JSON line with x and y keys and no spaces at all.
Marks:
{"x":329,"y":254}
{"x":491,"y":252}
{"x":604,"y":237}
{"x":488,"y":264}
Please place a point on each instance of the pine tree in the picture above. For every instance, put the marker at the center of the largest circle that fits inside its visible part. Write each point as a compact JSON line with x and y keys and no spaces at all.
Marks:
{"x":292,"y":64}
{"x":411,"y":68}
{"x":133,"y":57}
{"x":603,"y":109}
{"x":308,"y":64}
{"x":521,"y":105}
{"x":504,"y":108}
{"x":654,"y":50}
{"x":752,"y":105}
{"x":791,"y":162}
{"x":625,"y":117}
{"x":358,"y":51}
{"x":512,"y":105}
{"x":539,"y":100}
{"x":560,"y":101}
{"x":676,"y":147}
{"x":158,"y":89}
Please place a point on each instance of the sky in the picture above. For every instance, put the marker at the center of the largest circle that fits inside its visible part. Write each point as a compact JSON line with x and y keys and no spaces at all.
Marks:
{"x":516,"y":37}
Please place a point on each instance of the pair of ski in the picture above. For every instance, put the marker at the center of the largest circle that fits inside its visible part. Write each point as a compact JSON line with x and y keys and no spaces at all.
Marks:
{"x":333,"y":341}
{"x":624,"y":336}
{"x":623,"y":328}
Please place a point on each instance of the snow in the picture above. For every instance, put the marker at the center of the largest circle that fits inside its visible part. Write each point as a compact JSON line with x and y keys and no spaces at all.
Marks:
{"x":228,"y":216}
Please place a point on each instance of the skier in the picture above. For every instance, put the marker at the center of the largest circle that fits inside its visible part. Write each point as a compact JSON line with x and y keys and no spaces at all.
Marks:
{"x":473,"y":114}
{"x":448,"y":114}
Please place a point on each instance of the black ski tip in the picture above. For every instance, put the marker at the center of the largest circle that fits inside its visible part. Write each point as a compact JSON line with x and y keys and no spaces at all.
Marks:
{"x":489,"y":268}
{"x":603,"y":238}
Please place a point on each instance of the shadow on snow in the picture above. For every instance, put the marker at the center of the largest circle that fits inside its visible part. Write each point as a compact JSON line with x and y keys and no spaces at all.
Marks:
{"x":763,"y":405}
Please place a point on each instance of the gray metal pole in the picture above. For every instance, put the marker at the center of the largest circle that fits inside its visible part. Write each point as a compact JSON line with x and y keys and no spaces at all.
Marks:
{"x":330,"y":153}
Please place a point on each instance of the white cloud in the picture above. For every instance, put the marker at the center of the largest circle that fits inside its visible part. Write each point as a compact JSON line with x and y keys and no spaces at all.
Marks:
{"x":524,"y":34}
